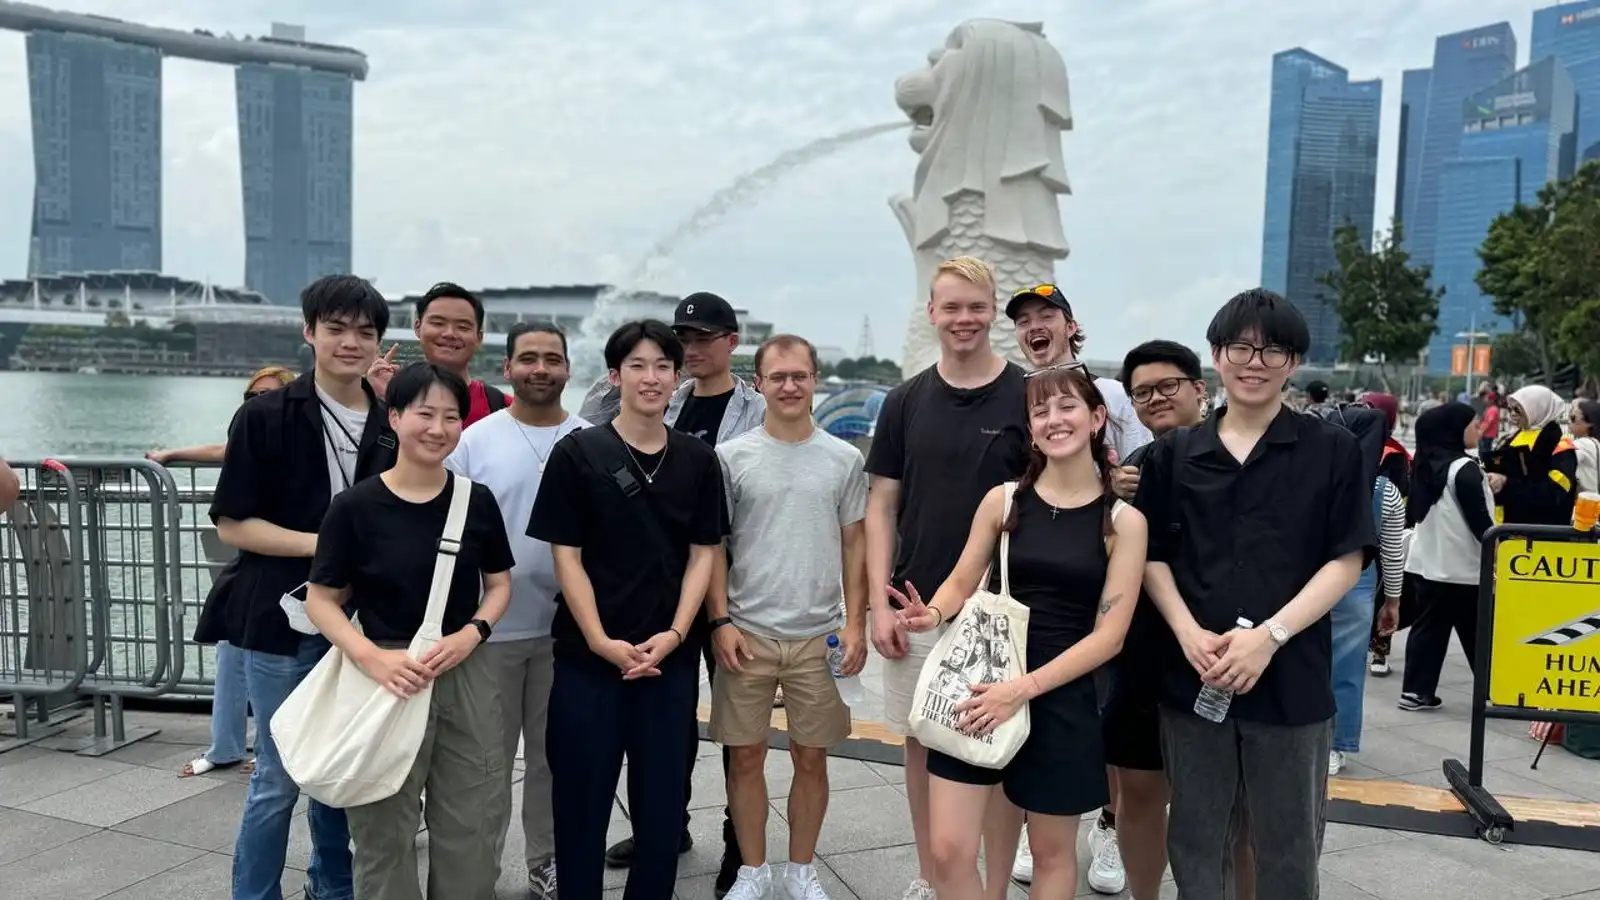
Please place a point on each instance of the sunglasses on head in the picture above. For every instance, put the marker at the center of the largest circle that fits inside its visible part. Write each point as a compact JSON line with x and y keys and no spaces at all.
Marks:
{"x":251,"y":395}
{"x":1073,"y":366}
{"x":1042,"y":290}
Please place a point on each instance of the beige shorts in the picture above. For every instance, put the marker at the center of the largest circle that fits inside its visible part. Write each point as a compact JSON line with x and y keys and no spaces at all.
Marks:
{"x":741,"y":702}
{"x":900,"y":681}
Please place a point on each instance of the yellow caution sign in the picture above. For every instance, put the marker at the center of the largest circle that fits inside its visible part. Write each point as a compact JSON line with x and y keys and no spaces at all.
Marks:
{"x":1546,"y":625}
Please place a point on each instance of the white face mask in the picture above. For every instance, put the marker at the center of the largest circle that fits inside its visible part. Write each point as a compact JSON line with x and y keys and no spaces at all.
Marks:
{"x":295,"y":609}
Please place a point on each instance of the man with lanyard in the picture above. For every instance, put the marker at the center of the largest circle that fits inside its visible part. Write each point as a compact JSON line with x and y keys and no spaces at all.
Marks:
{"x":289,"y":452}
{"x":713,"y":405}
{"x":1049,"y":336}
{"x":496,"y":454}
{"x":449,"y":326}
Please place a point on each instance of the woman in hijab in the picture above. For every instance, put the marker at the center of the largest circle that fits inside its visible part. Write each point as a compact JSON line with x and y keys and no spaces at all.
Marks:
{"x":1534,"y":472}
{"x":1451,"y":504}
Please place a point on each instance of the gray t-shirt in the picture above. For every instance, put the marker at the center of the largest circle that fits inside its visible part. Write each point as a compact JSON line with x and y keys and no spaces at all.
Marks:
{"x":787,"y":503}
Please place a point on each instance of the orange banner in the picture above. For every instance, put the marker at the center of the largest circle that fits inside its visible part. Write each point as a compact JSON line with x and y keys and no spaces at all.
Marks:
{"x":1480,"y":355}
{"x":1480,"y":359}
{"x":1458,"y":360}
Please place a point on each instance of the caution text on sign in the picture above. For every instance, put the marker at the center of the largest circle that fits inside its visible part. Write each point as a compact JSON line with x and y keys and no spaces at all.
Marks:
{"x":1546,"y":626}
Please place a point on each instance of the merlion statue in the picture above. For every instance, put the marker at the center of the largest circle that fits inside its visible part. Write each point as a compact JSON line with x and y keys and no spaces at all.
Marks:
{"x":988,"y":113}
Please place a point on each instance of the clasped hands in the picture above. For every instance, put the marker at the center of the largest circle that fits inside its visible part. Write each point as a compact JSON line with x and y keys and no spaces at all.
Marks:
{"x":1233,"y":660}
{"x":404,"y":676}
{"x":637,"y":661}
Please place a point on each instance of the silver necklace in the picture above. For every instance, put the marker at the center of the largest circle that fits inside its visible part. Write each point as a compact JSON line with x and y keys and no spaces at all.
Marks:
{"x":650,"y":476}
{"x":1057,"y":510}
{"x":543,"y":457}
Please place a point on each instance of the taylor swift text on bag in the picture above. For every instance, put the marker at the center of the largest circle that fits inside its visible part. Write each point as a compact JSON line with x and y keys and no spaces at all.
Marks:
{"x":986,"y":643}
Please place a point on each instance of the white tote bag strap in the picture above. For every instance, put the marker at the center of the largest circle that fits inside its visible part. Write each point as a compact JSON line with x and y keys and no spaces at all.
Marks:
{"x":444,"y":568}
{"x":1005,"y":541}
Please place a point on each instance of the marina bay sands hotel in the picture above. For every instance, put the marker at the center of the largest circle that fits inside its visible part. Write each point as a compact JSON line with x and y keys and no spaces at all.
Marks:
{"x":94,"y":84}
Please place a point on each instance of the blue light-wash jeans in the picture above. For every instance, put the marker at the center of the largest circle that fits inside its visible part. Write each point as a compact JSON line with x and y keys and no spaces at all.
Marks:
{"x":230,"y":705}
{"x":258,"y":854}
{"x":1352,"y":635}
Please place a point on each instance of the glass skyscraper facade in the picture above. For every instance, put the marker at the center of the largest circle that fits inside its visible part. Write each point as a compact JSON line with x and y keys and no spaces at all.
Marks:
{"x":1413,"y":113}
{"x":1464,"y":64}
{"x":96,"y":108}
{"x":1571,"y":33}
{"x":296,"y":147}
{"x":1322,"y":161}
{"x":1515,"y":137}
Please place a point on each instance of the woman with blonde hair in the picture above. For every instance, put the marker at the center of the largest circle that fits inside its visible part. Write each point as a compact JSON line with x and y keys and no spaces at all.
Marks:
{"x":266,"y":379}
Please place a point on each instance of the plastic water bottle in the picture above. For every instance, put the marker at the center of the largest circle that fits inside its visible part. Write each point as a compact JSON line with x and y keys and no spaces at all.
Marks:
{"x":1212,"y":704}
{"x":849,"y":685}
{"x":835,"y":656}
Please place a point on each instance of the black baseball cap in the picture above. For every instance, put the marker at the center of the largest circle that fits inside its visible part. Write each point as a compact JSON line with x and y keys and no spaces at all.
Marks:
{"x":705,"y":311}
{"x":1047,"y":293}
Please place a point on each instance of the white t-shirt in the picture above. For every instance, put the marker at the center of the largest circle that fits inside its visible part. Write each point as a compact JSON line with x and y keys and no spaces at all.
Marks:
{"x":508,"y":457}
{"x":341,"y":427}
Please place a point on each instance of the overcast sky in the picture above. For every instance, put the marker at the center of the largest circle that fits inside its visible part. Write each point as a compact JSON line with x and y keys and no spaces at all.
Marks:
{"x":512,"y":144}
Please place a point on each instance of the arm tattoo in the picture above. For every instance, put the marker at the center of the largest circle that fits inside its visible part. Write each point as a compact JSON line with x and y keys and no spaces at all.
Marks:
{"x":1108,"y":602}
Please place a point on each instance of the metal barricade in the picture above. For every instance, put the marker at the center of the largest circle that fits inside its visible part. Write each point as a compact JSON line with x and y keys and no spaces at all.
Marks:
{"x":201,"y":558}
{"x":44,"y":615}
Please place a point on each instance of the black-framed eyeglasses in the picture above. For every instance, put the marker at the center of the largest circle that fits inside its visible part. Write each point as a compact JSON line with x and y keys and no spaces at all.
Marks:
{"x":1166,"y":387}
{"x":1240,"y":353}
{"x":1071,"y":366}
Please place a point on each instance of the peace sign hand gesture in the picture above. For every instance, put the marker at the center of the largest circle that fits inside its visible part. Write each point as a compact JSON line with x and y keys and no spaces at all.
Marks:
{"x":381,"y":370}
{"x":914,"y":614}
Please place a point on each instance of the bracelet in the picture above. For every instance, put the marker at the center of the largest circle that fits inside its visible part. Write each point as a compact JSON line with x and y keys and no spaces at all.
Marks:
{"x":1039,"y":691}
{"x":941,"y":616}
{"x":677,"y":634}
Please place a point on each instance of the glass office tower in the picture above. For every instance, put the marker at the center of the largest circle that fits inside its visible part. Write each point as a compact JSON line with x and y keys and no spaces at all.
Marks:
{"x":96,"y":106}
{"x":1571,"y":33}
{"x":1413,"y":113}
{"x":1322,"y":162}
{"x":295,"y":148}
{"x":1514,"y":139}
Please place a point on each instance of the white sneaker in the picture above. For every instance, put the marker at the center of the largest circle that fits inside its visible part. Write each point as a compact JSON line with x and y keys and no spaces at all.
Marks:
{"x":1335,"y":762}
{"x":919,"y":890}
{"x":1022,"y":869}
{"x":800,"y":883}
{"x":753,"y":883}
{"x":542,"y":881}
{"x":1106,"y":874}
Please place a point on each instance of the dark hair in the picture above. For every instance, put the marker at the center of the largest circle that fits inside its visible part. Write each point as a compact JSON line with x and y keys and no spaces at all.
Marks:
{"x":1590,"y":410}
{"x":1171,"y":352}
{"x":344,"y":298}
{"x":625,"y":339}
{"x":1317,"y":392}
{"x":1273,"y":319}
{"x":1041,"y":386}
{"x":412,"y":382}
{"x":450,"y":289}
{"x":522,"y":328}
{"x":786,"y":342}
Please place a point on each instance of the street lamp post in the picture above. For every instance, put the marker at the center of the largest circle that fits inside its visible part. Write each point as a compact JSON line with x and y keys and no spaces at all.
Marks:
{"x":1473,"y":336}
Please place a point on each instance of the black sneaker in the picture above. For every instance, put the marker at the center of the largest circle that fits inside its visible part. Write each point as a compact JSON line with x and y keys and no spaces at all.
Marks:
{"x":728,"y":874}
{"x":620,"y":856}
{"x":1414,"y":703}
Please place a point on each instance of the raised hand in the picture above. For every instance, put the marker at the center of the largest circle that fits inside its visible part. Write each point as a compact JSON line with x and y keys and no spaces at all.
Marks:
{"x":914,"y":614}
{"x":381,"y":370}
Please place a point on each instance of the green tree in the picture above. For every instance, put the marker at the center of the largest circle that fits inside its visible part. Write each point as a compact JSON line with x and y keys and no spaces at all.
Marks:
{"x":1514,"y":354}
{"x":1386,"y":308}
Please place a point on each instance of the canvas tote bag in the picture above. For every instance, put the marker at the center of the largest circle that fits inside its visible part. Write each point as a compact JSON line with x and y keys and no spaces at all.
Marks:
{"x":987,"y":642}
{"x":347,"y":740}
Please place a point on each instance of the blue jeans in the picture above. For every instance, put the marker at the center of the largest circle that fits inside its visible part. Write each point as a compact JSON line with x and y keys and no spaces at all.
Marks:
{"x":258,"y":854}
{"x":230,"y":706}
{"x":1352,"y":633}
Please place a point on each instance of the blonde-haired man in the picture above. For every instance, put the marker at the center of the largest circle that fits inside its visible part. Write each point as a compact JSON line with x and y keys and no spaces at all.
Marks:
{"x":944,"y":438}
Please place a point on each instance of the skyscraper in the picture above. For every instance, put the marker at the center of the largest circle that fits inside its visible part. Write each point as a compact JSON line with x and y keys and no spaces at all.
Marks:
{"x":1515,"y":137}
{"x":1464,"y":63}
{"x":1571,"y":33}
{"x":295,"y":152}
{"x":1413,"y":113}
{"x":1322,"y":163}
{"x":96,"y":107}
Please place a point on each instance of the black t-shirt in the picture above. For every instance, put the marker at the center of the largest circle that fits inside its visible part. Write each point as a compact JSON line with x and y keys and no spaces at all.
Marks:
{"x":384,"y":549}
{"x":636,"y":581}
{"x":947,"y":447}
{"x":701,"y":417}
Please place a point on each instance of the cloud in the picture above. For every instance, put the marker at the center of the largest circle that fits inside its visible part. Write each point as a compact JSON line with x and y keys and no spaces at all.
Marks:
{"x":501,"y":144}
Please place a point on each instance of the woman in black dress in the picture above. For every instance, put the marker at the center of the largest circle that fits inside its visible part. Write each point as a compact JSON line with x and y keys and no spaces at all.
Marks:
{"x":1076,"y":560}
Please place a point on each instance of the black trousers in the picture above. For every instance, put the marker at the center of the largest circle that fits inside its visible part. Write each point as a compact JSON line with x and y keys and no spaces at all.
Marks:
{"x":595,"y":720}
{"x":1441,"y":609}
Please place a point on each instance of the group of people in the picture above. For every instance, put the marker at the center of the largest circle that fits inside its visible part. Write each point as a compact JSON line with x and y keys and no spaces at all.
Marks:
{"x":1164,"y":553}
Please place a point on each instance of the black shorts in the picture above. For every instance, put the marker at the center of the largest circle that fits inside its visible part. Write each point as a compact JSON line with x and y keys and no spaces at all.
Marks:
{"x":1130,"y":723}
{"x":1061,"y":768}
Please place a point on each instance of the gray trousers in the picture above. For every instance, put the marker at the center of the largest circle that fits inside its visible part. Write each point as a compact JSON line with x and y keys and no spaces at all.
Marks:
{"x":524,"y":670}
{"x":1278,"y":774}
{"x":462,"y":765}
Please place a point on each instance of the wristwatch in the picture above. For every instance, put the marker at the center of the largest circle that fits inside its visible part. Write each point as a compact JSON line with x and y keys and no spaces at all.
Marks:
{"x":720,"y":621}
{"x":484,"y":629}
{"x":1278,"y":633}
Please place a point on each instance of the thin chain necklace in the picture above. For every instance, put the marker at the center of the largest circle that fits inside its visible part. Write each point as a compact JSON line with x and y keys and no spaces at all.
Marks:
{"x":1057,"y":510}
{"x":545,"y":456}
{"x":650,"y":476}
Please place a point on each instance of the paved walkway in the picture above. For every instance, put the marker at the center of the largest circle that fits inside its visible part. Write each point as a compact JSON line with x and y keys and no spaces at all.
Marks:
{"x":125,"y":827}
